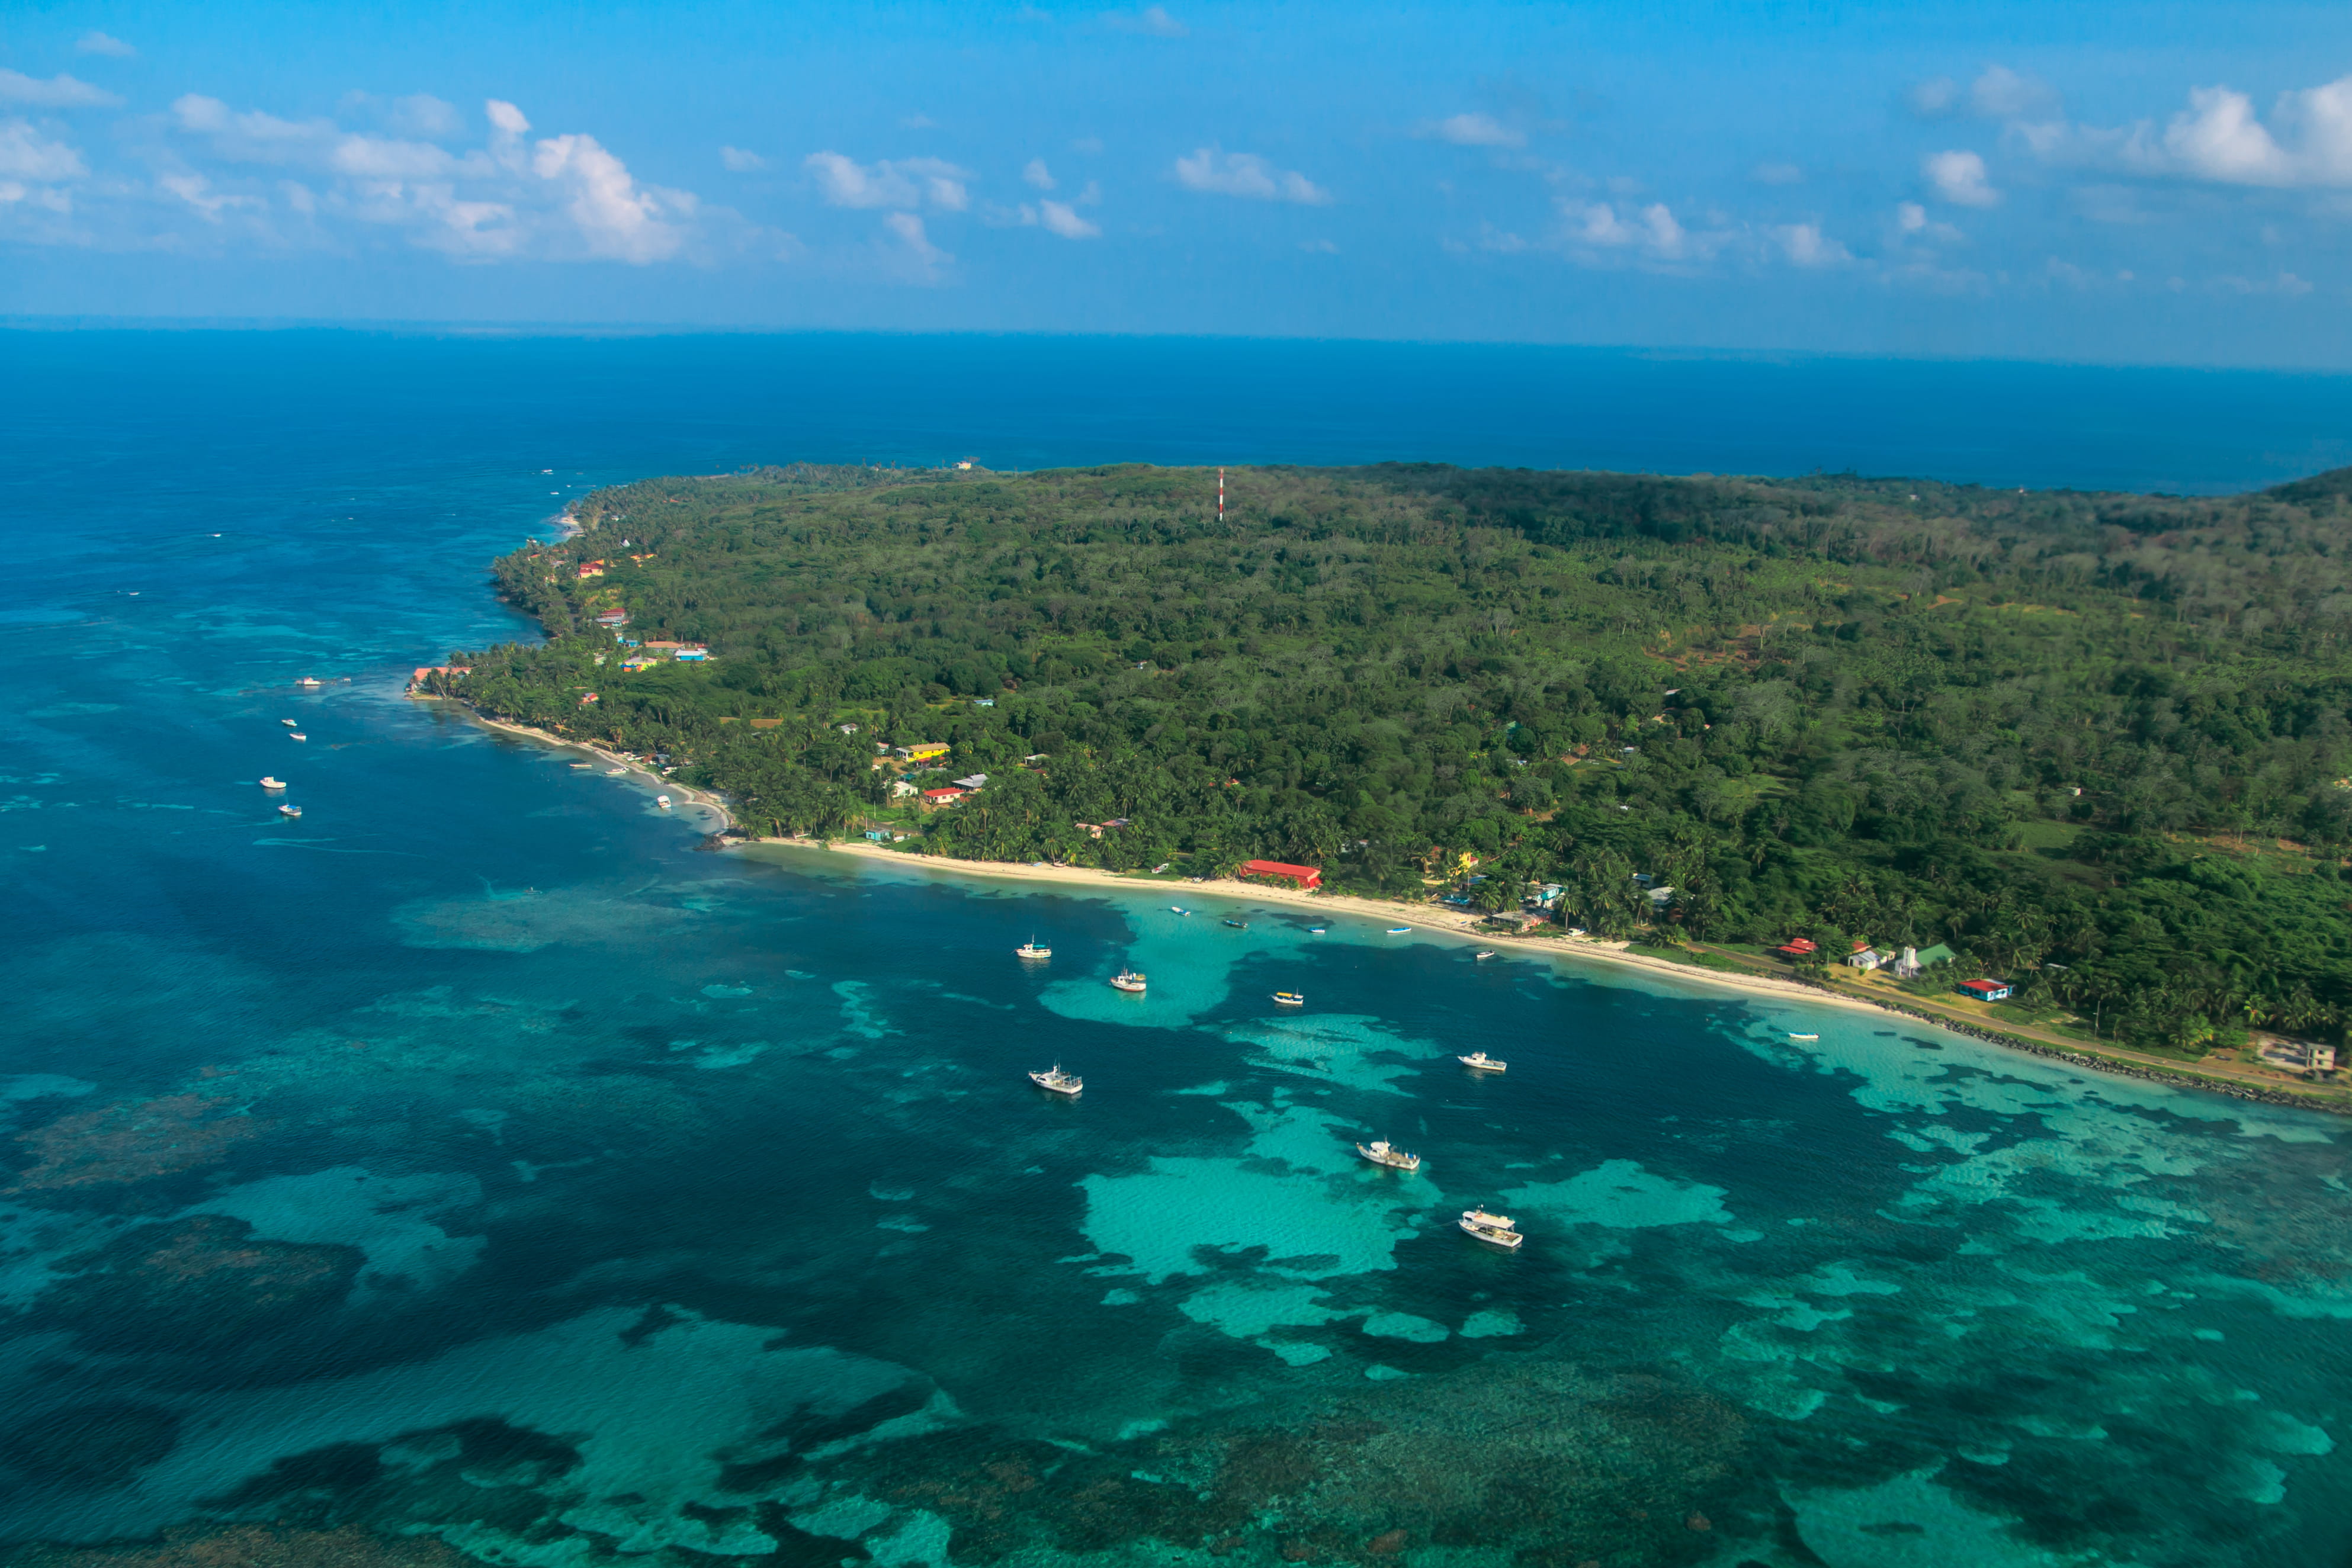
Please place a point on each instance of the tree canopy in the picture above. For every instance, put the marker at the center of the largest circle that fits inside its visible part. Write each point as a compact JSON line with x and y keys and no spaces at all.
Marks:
{"x":2094,"y":741}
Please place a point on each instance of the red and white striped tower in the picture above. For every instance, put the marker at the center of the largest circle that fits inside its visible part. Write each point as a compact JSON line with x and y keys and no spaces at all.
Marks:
{"x":1221,"y":495}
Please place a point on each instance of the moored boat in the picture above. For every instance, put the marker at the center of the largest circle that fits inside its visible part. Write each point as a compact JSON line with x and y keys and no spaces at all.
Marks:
{"x":1289,"y":1000}
{"x":1127,"y":980}
{"x":1054,"y":1081}
{"x":1241,"y":925}
{"x":289,"y":723}
{"x":663,"y":801}
{"x":1498,"y":1228}
{"x":1030,"y":949}
{"x":1804,"y":1037}
{"x":1399,"y":930}
{"x":1485,"y":953}
{"x":309,"y":680}
{"x":1316,"y":930}
{"x":1381,"y":1153}
{"x":269,"y":783}
{"x":1179,"y":909}
{"x":1479,"y":1062}
{"x":289,"y":810}
{"x":296,"y":735}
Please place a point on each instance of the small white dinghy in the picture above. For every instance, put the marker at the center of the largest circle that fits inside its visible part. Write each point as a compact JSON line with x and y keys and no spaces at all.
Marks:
{"x":1057,"y":1082}
{"x":1499,"y":1229}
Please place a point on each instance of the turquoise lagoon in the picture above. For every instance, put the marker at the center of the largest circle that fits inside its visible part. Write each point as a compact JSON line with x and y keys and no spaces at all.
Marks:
{"x":476,"y":1159}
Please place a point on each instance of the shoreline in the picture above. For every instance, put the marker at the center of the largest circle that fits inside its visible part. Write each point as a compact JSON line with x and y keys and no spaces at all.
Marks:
{"x":633,"y":772}
{"x":1592,"y":949}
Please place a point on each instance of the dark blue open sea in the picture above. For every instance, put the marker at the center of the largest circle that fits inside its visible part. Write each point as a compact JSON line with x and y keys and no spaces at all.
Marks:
{"x":473,"y":1162}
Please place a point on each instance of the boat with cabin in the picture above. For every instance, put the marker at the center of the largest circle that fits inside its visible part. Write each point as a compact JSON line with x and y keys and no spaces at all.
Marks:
{"x":289,"y":810}
{"x":1030,"y":949}
{"x":309,"y":680}
{"x":663,"y":801}
{"x":1497,"y":1228}
{"x":289,"y":723}
{"x":1479,"y":1062}
{"x":1128,"y":980}
{"x":1380,"y":1152}
{"x":1289,"y":999}
{"x":1057,"y":1082}
{"x":269,"y":783}
{"x":1484,"y":954}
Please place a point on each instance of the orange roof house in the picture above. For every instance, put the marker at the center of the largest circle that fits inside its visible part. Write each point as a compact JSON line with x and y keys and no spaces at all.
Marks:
{"x":1305,"y":876}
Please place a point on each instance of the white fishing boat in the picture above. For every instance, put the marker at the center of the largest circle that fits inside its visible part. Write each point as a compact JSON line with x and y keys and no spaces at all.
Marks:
{"x":289,"y":810}
{"x":1381,"y":1153}
{"x":309,"y":680}
{"x":1484,"y":954}
{"x":614,"y":772}
{"x":583,"y":765}
{"x":269,"y":783}
{"x":1316,"y":930}
{"x":1804,"y":1037}
{"x":1054,"y":1081}
{"x":1497,"y":1228}
{"x":296,"y":735}
{"x":1479,"y":1062}
{"x":1289,"y":1000}
{"x":663,"y":801}
{"x":289,"y":723}
{"x":1127,"y":980}
{"x":1030,"y":949}
{"x":1399,"y":930}
{"x":1179,"y":909}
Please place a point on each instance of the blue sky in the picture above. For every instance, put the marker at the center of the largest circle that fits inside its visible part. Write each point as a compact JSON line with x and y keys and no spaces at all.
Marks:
{"x":2121,"y":183}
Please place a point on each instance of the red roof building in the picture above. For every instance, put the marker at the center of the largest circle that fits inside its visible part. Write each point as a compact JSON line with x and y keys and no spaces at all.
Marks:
{"x":1305,"y":876}
{"x":1986,"y":990}
{"x":1797,"y":947}
{"x":944,"y":796}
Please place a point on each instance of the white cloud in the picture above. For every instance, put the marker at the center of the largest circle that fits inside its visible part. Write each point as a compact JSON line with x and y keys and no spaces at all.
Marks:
{"x":1476,"y":131}
{"x":615,"y":217}
{"x":198,"y":193}
{"x":1805,"y":246}
{"x":2003,"y":94}
{"x":1910,"y":217}
{"x":1653,"y":230}
{"x":1777,"y":174}
{"x":421,"y":114}
{"x":1959,"y":177}
{"x":739,"y":162}
{"x":26,"y":154}
{"x":1912,"y":222}
{"x":845,"y":182}
{"x":1249,"y":175}
{"x":1036,"y":172}
{"x":1933,"y":98}
{"x":1059,"y":218}
{"x":2220,"y":139}
{"x":1318,"y":247}
{"x":1153,"y":21}
{"x":928,"y":257}
{"x":59,"y":91}
{"x":95,"y":43}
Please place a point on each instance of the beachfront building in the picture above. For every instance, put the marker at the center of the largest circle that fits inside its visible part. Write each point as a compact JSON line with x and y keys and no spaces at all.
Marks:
{"x":1986,"y":990}
{"x":1916,"y":961}
{"x":1306,"y":877}
{"x":1865,"y":957}
{"x":1797,"y":947}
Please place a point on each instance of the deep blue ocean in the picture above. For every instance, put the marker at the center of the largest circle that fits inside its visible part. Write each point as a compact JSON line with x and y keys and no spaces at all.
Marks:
{"x":475,"y":1164}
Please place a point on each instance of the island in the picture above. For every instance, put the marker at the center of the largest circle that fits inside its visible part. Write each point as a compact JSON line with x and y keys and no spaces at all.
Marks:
{"x":2071,"y":767}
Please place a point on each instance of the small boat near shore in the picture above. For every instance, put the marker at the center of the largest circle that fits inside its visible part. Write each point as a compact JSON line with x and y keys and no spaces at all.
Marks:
{"x":663,"y":801}
{"x":1484,"y":954}
{"x":1804,"y":1037}
{"x":1054,"y":1081}
{"x":289,"y":810}
{"x":1479,"y":1062}
{"x":614,"y":772}
{"x":1127,"y":980}
{"x":269,"y":783}
{"x":1498,"y":1228}
{"x":1030,"y":949}
{"x":1289,"y":999}
{"x":1238,"y":924}
{"x":1178,"y":909}
{"x":1380,"y":1152}
{"x":1316,"y":930}
{"x":1399,"y":930}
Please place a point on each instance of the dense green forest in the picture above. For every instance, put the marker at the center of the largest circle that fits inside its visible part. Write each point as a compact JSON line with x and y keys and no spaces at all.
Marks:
{"x":2091,"y":741}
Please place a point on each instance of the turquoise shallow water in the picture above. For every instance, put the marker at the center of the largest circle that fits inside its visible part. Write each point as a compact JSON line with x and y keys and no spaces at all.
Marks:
{"x":474,"y":1158}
